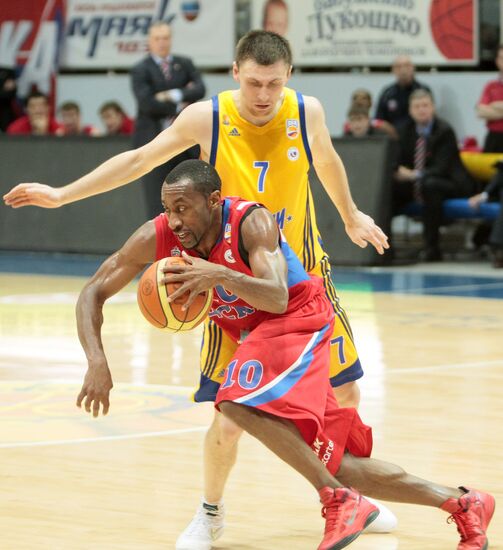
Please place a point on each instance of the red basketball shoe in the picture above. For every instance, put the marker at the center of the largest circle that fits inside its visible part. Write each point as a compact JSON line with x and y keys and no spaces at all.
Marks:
{"x":347,"y":514}
{"x":472,"y":513}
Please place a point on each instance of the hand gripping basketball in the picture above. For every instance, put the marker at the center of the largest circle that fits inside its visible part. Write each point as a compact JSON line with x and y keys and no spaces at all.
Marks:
{"x":162,"y":313}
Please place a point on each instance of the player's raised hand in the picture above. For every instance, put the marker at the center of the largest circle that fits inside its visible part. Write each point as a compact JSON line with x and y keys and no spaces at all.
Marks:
{"x":34,"y":194}
{"x":363,"y":230}
{"x":96,"y":390}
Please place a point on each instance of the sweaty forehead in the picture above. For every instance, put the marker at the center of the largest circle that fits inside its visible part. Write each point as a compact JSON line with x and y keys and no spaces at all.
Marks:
{"x":252,"y":69}
{"x":178,"y":192}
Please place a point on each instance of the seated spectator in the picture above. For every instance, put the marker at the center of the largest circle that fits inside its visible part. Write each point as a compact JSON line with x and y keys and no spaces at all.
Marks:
{"x":429,"y":169}
{"x":393,"y":104}
{"x":8,"y":88}
{"x":115,"y":120}
{"x":490,"y":108}
{"x":363,"y":98}
{"x":71,"y":124}
{"x":38,"y":120}
{"x":493,"y":191}
{"x":359,"y":124}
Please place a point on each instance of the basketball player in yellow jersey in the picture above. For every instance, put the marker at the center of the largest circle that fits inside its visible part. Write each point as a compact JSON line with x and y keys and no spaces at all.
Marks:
{"x":261,"y":138}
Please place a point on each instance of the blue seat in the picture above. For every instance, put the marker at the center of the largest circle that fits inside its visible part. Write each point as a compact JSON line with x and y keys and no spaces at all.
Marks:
{"x":458,"y":209}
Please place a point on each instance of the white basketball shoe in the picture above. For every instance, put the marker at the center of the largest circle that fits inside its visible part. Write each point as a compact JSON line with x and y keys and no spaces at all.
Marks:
{"x":204,"y":529}
{"x":385,"y":522}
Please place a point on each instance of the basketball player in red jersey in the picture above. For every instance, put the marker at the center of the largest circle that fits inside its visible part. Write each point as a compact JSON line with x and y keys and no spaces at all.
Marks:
{"x":257,"y":137}
{"x":284,"y":399}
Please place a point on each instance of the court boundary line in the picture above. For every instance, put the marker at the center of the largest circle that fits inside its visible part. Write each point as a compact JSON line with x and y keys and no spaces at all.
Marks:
{"x":99,"y":439}
{"x":180,"y":431}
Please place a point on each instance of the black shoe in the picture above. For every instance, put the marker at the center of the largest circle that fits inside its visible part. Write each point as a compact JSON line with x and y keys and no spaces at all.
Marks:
{"x":430,"y":255}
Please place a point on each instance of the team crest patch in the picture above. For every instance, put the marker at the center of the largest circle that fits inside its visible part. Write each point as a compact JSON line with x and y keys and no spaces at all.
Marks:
{"x":293,"y":154}
{"x":226,"y":120}
{"x":176,"y":251}
{"x":229,"y":258}
{"x":292,"y":128}
{"x":227,"y":232}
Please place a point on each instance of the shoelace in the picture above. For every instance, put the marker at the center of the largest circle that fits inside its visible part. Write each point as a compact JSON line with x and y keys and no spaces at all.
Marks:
{"x":333,"y":514}
{"x":467,"y":525}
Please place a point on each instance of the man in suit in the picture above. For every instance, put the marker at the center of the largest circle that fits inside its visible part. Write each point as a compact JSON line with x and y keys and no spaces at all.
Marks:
{"x":429,"y":169}
{"x":393,"y":103}
{"x":163,"y":84}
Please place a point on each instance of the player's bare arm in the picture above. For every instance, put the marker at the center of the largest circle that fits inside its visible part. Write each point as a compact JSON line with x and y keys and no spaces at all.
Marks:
{"x":192,"y":126}
{"x":267,"y":290}
{"x":113,"y":275}
{"x":330,"y":169}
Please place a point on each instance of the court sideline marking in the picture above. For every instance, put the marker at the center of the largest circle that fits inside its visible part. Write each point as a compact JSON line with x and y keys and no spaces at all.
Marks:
{"x":102,"y":438}
{"x":473,"y":365}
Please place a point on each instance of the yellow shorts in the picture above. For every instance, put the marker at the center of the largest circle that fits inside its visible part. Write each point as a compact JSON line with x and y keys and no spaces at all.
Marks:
{"x":217,"y":348}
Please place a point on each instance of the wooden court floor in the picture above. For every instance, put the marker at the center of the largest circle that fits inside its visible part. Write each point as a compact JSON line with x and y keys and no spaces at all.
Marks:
{"x":132,"y":480}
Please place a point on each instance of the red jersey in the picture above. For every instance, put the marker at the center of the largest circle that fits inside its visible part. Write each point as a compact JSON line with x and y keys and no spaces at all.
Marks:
{"x":22,"y":127}
{"x":493,"y":91}
{"x":127,"y":127}
{"x":281,"y":364}
{"x":235,"y":316}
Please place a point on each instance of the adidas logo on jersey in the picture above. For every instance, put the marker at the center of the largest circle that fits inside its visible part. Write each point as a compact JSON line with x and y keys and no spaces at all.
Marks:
{"x":234,"y":132}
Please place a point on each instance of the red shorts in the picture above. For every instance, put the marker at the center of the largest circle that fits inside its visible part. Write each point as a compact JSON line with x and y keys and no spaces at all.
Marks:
{"x":282,"y":367}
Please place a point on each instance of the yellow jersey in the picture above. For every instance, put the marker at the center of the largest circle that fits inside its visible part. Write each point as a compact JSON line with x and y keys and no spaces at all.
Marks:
{"x":269,"y":164}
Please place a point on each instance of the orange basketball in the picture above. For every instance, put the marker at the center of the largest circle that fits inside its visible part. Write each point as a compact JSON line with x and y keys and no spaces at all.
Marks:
{"x":153,"y":300}
{"x":452,"y":27}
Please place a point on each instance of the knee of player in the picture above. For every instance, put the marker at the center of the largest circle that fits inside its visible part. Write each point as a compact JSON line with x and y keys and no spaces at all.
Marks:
{"x":228,"y":430}
{"x":348,"y":395}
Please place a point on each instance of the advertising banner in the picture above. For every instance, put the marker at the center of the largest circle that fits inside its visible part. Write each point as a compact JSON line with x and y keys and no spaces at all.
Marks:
{"x":101,"y":34}
{"x":30,"y":33}
{"x":373,"y":32}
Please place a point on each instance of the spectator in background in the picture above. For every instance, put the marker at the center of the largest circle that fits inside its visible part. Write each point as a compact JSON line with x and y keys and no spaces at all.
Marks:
{"x":115,"y":120}
{"x":71,"y":123}
{"x":163,"y":85}
{"x":359,"y":124}
{"x":493,"y":191}
{"x":275,"y":17}
{"x":362,"y":98}
{"x":393,"y":104}
{"x":38,"y":120}
{"x":429,"y":169}
{"x":8,"y":89}
{"x":490,"y":108}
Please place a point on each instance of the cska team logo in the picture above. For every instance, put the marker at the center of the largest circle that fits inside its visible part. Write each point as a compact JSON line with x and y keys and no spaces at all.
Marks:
{"x":292,"y":128}
{"x":229,"y":258}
